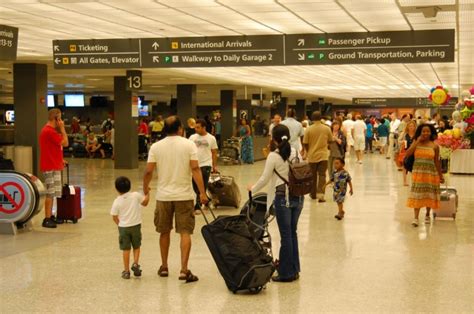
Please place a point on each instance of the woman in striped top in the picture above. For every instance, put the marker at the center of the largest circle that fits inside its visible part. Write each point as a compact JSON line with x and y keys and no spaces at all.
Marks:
{"x":426,"y":175}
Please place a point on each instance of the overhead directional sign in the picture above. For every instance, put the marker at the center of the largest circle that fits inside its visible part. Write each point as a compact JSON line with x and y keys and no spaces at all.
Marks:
{"x":220,"y":51}
{"x":370,"y":48}
{"x":400,"y":102}
{"x":93,"y":54}
{"x":8,"y":42}
{"x":259,"y":50}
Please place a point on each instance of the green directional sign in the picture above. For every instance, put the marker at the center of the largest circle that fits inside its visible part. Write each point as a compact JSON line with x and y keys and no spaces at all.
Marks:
{"x":423,"y":46}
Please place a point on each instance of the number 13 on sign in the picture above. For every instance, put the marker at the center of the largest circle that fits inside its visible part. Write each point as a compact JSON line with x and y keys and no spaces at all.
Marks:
{"x":134,"y":80}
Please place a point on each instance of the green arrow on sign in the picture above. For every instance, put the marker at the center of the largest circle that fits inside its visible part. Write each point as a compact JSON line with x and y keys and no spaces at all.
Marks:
{"x":322,"y":41}
{"x":310,"y":55}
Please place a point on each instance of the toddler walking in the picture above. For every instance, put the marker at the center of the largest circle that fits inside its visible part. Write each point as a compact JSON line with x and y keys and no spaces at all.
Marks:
{"x":126,"y":213}
{"x":340,"y":179}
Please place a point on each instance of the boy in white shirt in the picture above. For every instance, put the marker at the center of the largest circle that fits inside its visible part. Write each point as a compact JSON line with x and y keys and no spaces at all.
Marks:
{"x":126,"y":213}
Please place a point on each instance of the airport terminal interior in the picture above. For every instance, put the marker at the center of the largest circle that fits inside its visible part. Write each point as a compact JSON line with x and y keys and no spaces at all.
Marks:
{"x":90,"y":91}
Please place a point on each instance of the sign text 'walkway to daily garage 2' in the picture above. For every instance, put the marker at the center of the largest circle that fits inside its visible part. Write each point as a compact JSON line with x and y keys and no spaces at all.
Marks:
{"x":261,"y":50}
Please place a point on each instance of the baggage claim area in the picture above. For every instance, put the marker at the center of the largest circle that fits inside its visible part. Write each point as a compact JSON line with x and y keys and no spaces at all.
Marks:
{"x":374,"y":95}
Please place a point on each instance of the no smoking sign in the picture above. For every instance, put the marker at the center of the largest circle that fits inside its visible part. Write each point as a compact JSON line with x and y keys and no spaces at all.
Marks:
{"x":12,"y":197}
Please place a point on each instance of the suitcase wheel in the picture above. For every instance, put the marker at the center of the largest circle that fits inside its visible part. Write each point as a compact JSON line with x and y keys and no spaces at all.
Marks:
{"x":255,"y":290}
{"x":74,"y":220}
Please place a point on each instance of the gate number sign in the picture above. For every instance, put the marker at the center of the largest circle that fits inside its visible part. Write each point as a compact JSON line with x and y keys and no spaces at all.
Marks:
{"x":134,"y":80}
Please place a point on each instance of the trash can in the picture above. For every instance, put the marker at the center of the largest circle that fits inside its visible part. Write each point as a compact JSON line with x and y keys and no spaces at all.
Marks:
{"x":23,"y":158}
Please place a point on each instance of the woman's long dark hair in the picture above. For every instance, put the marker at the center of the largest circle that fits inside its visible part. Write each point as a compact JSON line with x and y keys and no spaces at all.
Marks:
{"x":434,"y":134}
{"x":281,"y":135}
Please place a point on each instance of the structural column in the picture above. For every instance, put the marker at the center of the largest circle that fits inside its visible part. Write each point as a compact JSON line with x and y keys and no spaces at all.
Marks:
{"x":186,"y":95}
{"x":30,"y":88}
{"x":228,"y":120}
{"x":126,"y":134}
{"x":300,"y":109}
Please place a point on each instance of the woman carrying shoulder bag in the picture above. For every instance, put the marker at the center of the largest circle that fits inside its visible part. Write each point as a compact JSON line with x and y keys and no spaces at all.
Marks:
{"x":287,"y":208}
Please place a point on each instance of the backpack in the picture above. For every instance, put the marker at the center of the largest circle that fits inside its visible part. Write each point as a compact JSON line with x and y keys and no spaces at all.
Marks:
{"x":300,"y":178}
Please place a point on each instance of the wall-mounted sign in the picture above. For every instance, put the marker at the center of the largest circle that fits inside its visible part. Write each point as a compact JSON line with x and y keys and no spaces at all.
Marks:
{"x":8,"y":42}
{"x":260,"y":50}
{"x":370,"y":48}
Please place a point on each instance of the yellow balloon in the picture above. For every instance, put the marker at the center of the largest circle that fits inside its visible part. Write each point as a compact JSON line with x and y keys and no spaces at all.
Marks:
{"x":439,"y":97}
{"x":457,"y":133}
{"x":448,"y":132}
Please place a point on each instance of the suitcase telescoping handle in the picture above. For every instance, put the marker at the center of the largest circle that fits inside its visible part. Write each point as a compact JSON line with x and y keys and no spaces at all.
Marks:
{"x":208,"y":206}
{"x":66,"y":165}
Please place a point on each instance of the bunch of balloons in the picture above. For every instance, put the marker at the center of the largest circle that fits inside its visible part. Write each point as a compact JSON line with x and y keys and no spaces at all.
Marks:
{"x":439,"y":95}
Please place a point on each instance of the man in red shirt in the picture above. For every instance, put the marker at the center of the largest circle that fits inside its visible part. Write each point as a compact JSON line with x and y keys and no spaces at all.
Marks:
{"x":52,"y":138}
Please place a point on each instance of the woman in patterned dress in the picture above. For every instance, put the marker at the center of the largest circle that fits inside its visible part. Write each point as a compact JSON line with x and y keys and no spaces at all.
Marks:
{"x":426,"y":174}
{"x":246,"y":143}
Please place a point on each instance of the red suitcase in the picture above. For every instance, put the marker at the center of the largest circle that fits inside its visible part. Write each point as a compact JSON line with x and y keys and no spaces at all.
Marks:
{"x":69,"y":204}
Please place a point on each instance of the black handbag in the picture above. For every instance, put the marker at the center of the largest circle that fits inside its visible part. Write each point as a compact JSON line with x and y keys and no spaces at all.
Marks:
{"x":408,"y":162}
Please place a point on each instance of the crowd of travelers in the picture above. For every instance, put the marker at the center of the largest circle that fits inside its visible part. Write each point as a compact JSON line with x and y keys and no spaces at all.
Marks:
{"x":184,"y":156}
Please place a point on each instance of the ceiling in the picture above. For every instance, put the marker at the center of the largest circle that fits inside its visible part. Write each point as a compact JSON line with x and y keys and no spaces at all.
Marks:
{"x":41,"y":21}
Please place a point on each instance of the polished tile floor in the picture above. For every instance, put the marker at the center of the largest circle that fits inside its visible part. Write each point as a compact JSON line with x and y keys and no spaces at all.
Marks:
{"x":373,"y":261}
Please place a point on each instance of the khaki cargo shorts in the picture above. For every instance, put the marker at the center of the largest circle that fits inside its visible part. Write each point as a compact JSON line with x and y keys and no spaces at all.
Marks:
{"x":183,"y":212}
{"x":130,"y":237}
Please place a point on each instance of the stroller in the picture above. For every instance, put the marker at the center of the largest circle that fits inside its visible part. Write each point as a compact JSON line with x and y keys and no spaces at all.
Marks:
{"x":258,"y":219}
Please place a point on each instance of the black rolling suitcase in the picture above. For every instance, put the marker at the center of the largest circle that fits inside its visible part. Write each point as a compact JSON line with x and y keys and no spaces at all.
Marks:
{"x":240,"y":258}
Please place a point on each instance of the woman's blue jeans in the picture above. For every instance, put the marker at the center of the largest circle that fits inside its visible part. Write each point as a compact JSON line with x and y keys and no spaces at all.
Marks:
{"x":287,"y":219}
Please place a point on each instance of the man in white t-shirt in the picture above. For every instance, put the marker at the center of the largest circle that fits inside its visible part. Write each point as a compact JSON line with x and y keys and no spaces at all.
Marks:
{"x":394,"y":124}
{"x":207,"y":155}
{"x":359,"y":131}
{"x":296,"y":130}
{"x":347,"y":126}
{"x":176,"y":161}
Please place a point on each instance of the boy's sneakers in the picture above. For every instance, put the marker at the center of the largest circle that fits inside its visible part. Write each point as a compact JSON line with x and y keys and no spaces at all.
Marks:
{"x":415,"y":223}
{"x":126,"y":274}
{"x":49,"y":223}
{"x":137,"y":272}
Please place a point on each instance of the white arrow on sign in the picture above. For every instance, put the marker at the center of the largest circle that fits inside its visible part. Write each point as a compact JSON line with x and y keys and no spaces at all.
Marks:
{"x":57,"y":61}
{"x":155,"y":45}
{"x":301,"y":57}
{"x":156,"y":59}
{"x":300,"y":42}
{"x":56,"y":48}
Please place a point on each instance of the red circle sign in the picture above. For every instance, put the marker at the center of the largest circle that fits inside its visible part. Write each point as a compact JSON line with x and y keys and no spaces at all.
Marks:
{"x":10,"y":197}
